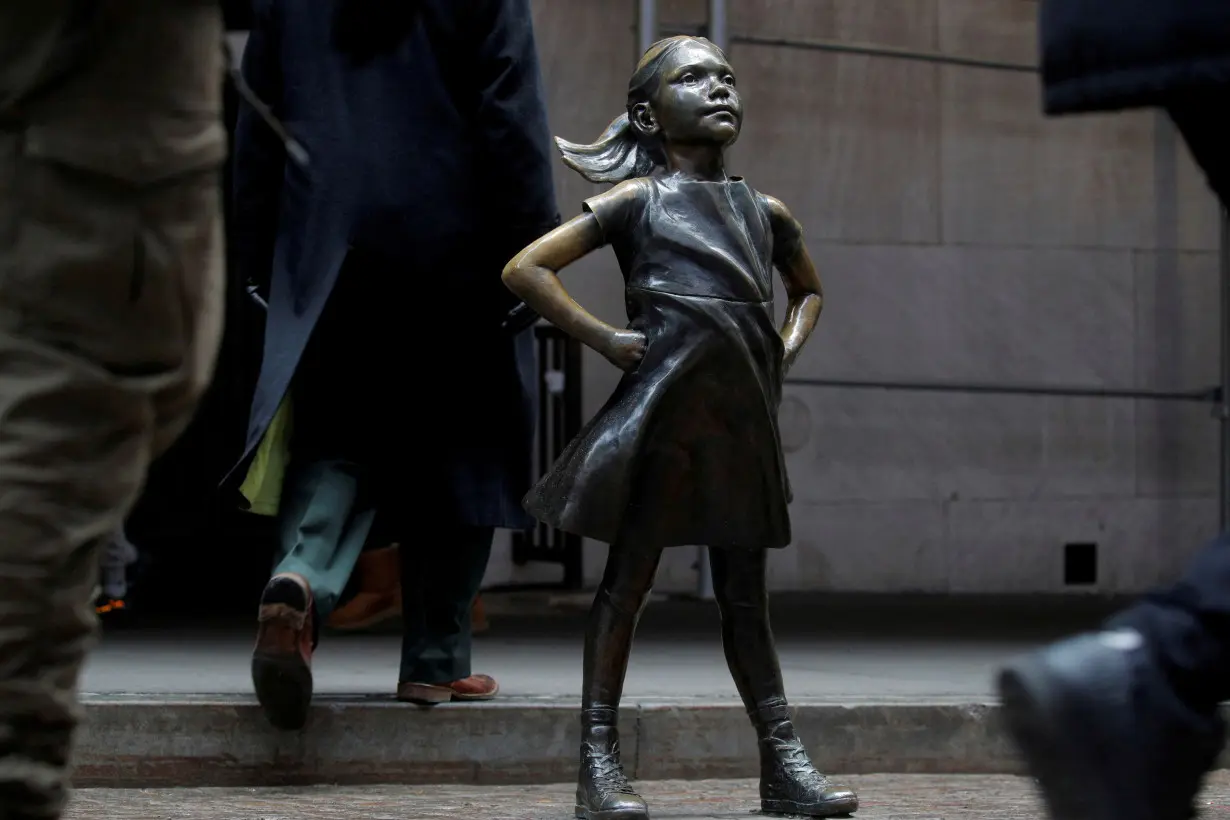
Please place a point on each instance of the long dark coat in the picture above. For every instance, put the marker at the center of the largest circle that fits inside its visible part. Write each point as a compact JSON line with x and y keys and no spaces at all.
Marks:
{"x":429,"y":147}
{"x":1103,"y":55}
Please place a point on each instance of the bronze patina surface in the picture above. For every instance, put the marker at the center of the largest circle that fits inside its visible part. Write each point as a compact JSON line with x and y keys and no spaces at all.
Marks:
{"x":687,"y":450}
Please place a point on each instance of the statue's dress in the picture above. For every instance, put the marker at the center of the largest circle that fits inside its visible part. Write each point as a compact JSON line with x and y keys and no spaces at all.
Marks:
{"x":687,"y":450}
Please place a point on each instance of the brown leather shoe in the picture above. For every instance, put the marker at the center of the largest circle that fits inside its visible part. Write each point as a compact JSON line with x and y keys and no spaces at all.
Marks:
{"x":378,"y":573}
{"x":475,"y":687}
{"x":282,"y":660}
{"x":478,"y":617}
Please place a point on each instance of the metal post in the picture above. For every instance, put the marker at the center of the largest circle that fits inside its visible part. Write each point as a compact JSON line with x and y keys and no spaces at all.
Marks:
{"x":1223,"y":405}
{"x":646,"y":25}
{"x":719,"y":34}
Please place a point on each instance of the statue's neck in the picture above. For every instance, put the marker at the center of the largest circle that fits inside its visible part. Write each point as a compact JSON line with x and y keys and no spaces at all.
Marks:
{"x":703,"y":162}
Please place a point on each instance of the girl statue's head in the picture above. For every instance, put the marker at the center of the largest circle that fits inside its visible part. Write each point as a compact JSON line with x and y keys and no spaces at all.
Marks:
{"x":682,"y":93}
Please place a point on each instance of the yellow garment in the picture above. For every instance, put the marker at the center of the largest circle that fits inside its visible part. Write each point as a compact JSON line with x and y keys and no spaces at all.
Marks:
{"x":263,"y":485}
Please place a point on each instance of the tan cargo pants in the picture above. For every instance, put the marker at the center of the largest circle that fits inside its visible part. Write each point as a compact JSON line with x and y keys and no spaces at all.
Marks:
{"x":110,"y":309}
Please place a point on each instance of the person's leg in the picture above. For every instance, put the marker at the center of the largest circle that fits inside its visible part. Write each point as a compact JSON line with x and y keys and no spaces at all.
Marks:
{"x":324,"y":521}
{"x":1122,"y":724}
{"x":118,"y":555}
{"x":789,"y":783}
{"x":329,"y":501}
{"x":108,"y":304}
{"x":602,"y":788}
{"x":1199,"y":117}
{"x":439,"y":584}
{"x":1187,"y":628}
{"x":1103,"y":731}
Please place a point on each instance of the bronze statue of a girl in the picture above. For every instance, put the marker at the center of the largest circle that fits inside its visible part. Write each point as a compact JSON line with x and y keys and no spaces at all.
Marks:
{"x":687,"y":449}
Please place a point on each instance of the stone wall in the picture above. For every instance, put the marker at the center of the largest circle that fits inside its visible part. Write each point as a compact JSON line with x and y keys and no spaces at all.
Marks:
{"x":962,"y":236}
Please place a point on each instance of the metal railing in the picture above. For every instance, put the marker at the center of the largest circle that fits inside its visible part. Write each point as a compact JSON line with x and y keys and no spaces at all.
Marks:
{"x":559,"y":421}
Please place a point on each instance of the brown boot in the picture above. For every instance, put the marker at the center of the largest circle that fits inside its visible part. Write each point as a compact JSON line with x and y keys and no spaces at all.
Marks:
{"x":478,"y":617}
{"x":378,"y":573}
{"x":475,"y":687}
{"x":282,"y":660}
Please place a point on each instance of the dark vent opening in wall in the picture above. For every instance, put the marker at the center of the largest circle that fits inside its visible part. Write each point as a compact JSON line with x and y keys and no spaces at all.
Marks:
{"x":1080,"y":565}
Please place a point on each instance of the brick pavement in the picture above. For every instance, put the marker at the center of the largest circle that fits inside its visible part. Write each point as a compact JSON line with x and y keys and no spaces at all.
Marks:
{"x":885,"y":797}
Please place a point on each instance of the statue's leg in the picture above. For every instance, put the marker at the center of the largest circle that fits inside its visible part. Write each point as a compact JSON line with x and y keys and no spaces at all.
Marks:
{"x":603,"y":792}
{"x":789,"y":784}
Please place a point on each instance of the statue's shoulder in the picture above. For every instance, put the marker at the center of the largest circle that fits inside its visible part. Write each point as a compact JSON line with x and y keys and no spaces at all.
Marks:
{"x":773,"y":207}
{"x":633,"y":187}
{"x":618,"y":207}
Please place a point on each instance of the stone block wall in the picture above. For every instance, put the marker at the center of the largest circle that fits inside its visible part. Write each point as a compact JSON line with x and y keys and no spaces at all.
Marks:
{"x":961,"y":236}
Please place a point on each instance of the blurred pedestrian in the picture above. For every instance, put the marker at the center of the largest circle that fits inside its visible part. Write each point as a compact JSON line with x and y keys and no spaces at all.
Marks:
{"x":111,"y":142}
{"x":117,"y":556}
{"x":412,"y":410}
{"x":1122,"y":724}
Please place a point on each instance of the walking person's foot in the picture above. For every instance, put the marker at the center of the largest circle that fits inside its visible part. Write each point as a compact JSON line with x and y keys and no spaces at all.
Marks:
{"x":475,"y":687}
{"x":282,"y":660}
{"x":1104,"y":732}
{"x":378,"y":573}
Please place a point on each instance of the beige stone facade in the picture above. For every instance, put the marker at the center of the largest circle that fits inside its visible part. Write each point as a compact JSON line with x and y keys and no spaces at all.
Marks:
{"x":961,"y":236}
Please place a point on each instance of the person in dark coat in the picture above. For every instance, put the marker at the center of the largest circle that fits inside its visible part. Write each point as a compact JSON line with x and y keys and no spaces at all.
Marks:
{"x":1122,"y":724}
{"x":428,"y":167}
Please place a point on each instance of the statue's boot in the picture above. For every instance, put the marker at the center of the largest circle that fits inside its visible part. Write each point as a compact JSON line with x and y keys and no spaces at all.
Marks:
{"x":603,"y":790}
{"x":789,"y":783}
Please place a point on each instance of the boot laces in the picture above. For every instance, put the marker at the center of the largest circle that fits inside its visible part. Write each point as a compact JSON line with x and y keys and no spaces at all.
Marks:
{"x":606,"y":771}
{"x":794,"y":763}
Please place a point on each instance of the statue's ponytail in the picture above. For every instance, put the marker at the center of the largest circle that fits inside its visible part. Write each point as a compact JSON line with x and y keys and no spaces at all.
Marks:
{"x":621,"y":153}
{"x":617,"y":155}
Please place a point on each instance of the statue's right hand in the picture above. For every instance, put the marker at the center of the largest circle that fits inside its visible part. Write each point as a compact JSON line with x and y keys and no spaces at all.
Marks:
{"x":625,"y":349}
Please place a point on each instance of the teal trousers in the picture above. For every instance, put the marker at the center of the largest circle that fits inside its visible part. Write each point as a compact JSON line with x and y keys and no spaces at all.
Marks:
{"x":329,"y":515}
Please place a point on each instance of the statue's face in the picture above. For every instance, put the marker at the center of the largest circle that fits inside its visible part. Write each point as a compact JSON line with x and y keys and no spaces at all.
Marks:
{"x":696,"y":101}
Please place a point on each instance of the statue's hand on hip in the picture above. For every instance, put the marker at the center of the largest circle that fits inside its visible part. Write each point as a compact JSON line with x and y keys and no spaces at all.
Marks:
{"x":624,"y":349}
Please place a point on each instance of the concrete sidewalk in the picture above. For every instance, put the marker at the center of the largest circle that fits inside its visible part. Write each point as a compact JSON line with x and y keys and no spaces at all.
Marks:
{"x":883,"y":797}
{"x":877,"y":688}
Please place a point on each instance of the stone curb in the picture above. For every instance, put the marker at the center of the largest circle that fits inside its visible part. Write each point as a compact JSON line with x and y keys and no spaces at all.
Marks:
{"x":193,"y":741}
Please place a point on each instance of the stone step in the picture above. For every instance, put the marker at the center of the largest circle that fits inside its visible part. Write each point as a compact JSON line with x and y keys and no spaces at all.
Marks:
{"x":149,"y":741}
